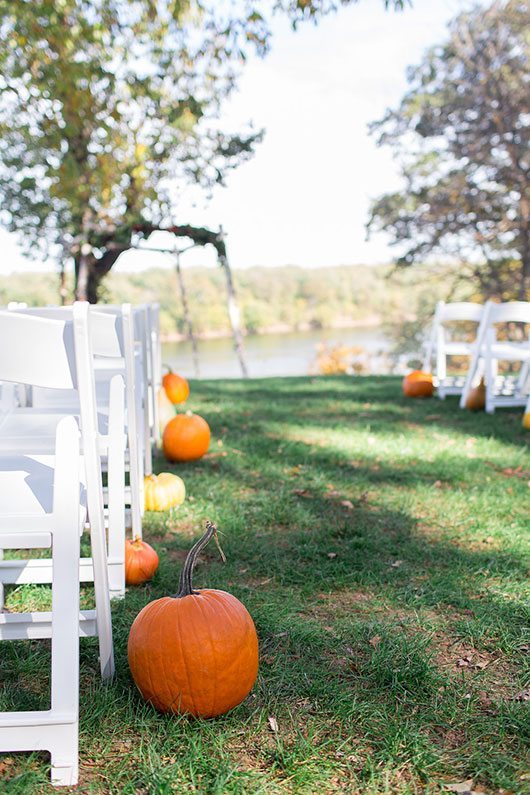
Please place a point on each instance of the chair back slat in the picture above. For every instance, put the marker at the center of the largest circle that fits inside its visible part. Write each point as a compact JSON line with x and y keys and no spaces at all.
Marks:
{"x":461,"y":310}
{"x":511,"y":312}
{"x":105,"y":338}
{"x":37,"y":351}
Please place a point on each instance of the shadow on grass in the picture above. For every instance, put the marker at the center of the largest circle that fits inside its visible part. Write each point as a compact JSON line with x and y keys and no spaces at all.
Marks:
{"x":350,"y":588}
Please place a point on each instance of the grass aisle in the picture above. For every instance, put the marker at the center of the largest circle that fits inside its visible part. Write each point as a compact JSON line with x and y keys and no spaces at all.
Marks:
{"x":380,"y":546}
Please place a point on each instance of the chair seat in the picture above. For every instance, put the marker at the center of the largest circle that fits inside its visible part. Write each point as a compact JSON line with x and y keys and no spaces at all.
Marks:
{"x":26,"y":484}
{"x":34,"y":429}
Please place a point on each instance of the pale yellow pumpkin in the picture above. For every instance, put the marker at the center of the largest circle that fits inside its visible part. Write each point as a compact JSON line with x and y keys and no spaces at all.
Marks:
{"x":163,"y":491}
{"x":166,"y":409}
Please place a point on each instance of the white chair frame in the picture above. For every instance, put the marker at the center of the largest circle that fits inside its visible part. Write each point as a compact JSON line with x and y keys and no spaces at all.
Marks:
{"x":440,"y":347}
{"x":31,"y":334}
{"x":488,"y":351}
{"x":43,"y":506}
{"x":56,"y":729}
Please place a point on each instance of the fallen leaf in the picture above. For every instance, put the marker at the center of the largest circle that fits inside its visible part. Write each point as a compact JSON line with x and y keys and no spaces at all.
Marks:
{"x":460,"y":786}
{"x":347,"y":504}
{"x":273,"y":724}
{"x":438,"y":484}
{"x":375,"y":641}
{"x":330,"y":494}
{"x":332,"y":555}
{"x":302,"y":492}
{"x":396,"y":564}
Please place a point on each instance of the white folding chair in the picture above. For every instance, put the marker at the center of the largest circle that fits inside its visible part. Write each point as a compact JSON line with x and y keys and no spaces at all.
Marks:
{"x":43,"y":506}
{"x":37,"y":423}
{"x":442,"y":345}
{"x":106,"y":367}
{"x":134,"y":410}
{"x":28,"y":430}
{"x":488,"y":351}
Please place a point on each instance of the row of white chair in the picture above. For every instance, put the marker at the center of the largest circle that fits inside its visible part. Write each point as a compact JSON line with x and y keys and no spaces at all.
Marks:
{"x":78,"y":402}
{"x":484,"y":351}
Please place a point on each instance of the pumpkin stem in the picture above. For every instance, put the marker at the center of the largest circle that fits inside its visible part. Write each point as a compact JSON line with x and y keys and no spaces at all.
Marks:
{"x":186,"y":575}
{"x":168,"y":368}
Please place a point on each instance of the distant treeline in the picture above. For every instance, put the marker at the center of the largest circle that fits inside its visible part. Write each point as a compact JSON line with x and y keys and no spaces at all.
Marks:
{"x":271,"y":299}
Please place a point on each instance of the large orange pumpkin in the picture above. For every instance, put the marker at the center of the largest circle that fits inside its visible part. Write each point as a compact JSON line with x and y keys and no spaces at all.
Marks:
{"x":176,"y":387}
{"x":476,"y":400}
{"x":186,"y":437}
{"x":141,"y":562}
{"x":418,"y":384}
{"x":195,"y":652}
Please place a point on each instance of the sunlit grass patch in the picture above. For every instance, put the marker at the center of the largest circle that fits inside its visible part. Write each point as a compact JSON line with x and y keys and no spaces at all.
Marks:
{"x":381,"y":546}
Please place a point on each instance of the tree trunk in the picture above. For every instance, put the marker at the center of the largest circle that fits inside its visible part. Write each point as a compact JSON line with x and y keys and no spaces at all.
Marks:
{"x":63,"y":292}
{"x":524,"y":291}
{"x":89,"y":272}
{"x":82,"y":275}
{"x":187,"y":316}
{"x":233,"y":308}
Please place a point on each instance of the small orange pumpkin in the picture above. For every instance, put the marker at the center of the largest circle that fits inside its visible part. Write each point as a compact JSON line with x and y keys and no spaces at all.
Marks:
{"x":195,"y":652}
{"x":526,"y":420}
{"x":141,"y":561}
{"x":186,"y":437}
{"x":418,"y":384}
{"x":176,"y":387}
{"x":476,"y":400}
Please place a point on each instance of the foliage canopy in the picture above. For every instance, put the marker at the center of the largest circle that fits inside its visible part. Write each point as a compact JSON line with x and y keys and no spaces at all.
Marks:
{"x":109,"y":107}
{"x":462,"y":135}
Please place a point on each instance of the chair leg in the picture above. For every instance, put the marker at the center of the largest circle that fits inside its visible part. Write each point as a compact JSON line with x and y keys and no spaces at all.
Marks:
{"x":116,"y":490}
{"x":65,"y":610}
{"x":489,"y":375}
{"x":64,"y":755}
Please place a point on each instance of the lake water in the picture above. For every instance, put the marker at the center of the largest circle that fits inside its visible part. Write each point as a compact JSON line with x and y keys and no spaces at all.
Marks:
{"x":269,"y":355}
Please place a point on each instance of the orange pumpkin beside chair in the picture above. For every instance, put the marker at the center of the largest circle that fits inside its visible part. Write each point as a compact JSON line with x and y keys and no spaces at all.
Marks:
{"x":476,"y":400}
{"x":196,"y":652}
{"x":141,"y":562}
{"x":186,"y":438}
{"x":176,"y":387}
{"x":418,"y":384}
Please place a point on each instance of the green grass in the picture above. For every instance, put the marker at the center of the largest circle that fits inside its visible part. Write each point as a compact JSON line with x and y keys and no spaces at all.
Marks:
{"x":381,"y":547}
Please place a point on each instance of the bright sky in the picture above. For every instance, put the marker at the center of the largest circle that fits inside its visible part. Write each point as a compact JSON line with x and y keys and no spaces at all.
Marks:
{"x":304,"y":198}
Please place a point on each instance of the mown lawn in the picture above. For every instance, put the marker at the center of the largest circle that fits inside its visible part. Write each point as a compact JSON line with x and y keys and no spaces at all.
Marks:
{"x":381,"y":546}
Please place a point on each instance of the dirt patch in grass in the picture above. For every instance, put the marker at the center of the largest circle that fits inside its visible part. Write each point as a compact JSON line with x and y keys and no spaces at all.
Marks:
{"x":490,"y":670}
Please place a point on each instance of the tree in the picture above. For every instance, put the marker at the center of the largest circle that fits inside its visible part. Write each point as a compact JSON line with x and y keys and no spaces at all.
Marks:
{"x":109,"y":107}
{"x":462,"y":136}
